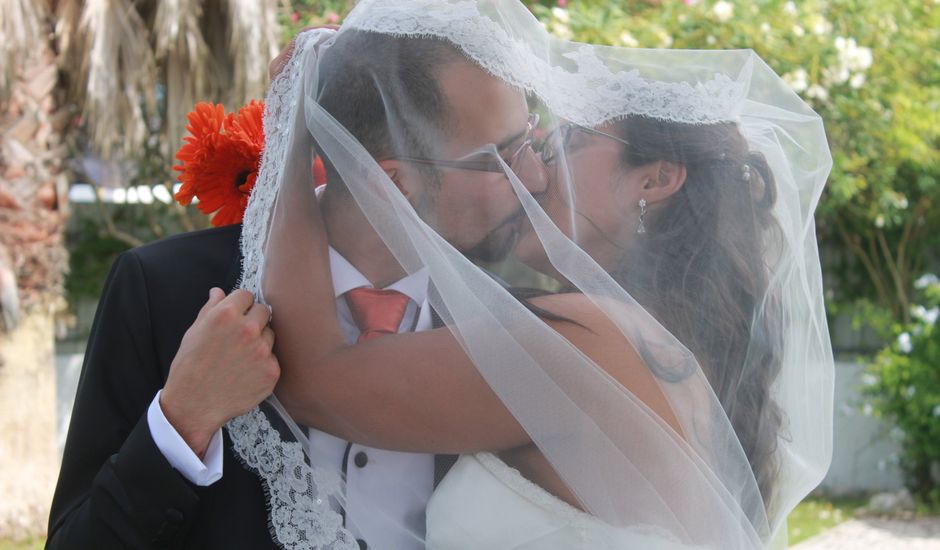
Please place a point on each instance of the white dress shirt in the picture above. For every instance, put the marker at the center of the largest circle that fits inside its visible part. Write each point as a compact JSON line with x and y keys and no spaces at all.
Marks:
{"x":384,"y":489}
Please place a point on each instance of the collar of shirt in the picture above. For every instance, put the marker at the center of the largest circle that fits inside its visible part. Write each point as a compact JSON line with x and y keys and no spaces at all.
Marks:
{"x":346,"y":277}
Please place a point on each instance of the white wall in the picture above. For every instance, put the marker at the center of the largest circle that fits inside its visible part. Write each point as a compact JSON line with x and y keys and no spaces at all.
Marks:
{"x":68,"y":368}
{"x":864,"y":457}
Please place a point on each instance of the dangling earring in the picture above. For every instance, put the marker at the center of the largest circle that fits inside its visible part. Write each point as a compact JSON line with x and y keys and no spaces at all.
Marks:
{"x":642,"y":227}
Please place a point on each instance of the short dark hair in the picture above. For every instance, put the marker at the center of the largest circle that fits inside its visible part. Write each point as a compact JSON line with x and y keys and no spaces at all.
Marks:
{"x":368,"y":81}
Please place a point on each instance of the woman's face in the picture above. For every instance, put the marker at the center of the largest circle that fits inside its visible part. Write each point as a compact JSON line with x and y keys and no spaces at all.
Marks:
{"x":591,"y":196}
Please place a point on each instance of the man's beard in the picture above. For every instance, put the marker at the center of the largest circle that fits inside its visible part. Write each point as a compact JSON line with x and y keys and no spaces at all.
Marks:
{"x":498,"y":243}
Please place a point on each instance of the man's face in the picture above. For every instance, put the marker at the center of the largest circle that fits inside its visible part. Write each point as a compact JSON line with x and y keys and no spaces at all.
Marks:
{"x":477,"y":211}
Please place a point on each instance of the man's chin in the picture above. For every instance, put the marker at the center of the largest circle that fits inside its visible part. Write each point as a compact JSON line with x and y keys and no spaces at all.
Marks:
{"x":496,"y":246}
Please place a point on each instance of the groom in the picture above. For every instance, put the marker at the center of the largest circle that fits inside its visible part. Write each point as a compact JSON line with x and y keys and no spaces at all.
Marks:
{"x":146,"y":464}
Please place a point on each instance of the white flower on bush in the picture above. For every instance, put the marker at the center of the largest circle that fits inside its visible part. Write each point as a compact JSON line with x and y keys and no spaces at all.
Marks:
{"x":789,"y":8}
{"x":817,"y":92}
{"x":904,"y":343}
{"x":798,"y":31}
{"x":798,"y":80}
{"x":853,"y":56}
{"x":561,"y":14}
{"x":867,"y":410}
{"x":925,"y":280}
{"x":627,"y":40}
{"x":559,"y":23}
{"x":765,"y":27}
{"x":664,"y":39}
{"x":928,"y":316}
{"x":853,"y":61}
{"x":838,"y":75}
{"x":869,"y":379}
{"x":711,"y":40}
{"x":819,"y":25}
{"x":723,"y":10}
{"x":861,"y":58}
{"x":909,"y":391}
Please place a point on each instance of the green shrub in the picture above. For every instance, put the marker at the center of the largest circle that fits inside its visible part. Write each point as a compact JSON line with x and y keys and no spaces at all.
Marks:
{"x":903,"y":386}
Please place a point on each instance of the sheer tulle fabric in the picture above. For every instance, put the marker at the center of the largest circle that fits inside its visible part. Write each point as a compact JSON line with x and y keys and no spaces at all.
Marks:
{"x":696,"y":482}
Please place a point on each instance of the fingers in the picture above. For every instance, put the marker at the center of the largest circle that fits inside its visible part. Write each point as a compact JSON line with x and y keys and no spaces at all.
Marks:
{"x":268,"y":336}
{"x":258,"y":316}
{"x":278,"y":63}
{"x":216,"y":295}
{"x":240,"y":300}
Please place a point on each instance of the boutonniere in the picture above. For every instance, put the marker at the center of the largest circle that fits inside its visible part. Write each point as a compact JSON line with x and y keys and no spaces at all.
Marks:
{"x":220,"y":160}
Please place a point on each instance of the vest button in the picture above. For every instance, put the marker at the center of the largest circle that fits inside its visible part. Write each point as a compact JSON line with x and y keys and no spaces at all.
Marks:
{"x":361,"y":459}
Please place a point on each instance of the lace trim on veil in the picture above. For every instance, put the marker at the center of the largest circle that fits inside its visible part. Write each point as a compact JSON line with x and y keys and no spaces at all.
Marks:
{"x":299,"y":512}
{"x":590,"y":94}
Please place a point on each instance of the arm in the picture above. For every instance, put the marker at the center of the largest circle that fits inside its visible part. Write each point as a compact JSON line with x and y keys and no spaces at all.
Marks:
{"x":116,"y":487}
{"x":420,"y":392}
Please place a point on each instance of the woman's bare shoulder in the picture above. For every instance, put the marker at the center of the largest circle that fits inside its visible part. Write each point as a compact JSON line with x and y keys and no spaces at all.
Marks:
{"x":591,"y":314}
{"x":588,"y":323}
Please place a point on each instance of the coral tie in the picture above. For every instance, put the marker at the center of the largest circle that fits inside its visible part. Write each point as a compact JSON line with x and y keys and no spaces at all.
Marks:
{"x":376,"y":312}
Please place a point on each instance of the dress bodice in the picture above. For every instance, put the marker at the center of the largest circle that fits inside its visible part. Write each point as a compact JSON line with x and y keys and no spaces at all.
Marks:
{"x":485,"y":503}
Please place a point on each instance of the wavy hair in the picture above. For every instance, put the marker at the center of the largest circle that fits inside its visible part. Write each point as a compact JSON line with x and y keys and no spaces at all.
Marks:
{"x":702,"y":269}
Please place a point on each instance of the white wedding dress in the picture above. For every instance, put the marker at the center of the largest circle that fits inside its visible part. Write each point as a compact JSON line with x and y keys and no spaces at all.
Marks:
{"x":483,"y":503}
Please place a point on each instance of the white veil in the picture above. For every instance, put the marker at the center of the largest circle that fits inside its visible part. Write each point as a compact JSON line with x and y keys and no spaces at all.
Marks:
{"x":698,"y":480}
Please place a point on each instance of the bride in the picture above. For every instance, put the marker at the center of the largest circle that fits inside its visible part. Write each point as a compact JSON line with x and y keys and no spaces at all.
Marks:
{"x":668,"y":386}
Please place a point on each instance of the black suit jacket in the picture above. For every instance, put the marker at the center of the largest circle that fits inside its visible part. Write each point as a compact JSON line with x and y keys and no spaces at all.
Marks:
{"x":115,"y":488}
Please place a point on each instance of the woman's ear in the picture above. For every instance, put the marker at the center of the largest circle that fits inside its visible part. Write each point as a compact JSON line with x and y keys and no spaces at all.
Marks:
{"x":665,"y":179}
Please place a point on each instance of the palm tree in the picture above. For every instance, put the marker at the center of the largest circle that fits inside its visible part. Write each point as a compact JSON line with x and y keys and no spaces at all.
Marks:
{"x":106,"y":77}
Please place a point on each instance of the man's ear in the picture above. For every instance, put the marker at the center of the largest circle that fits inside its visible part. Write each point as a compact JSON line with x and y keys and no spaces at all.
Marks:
{"x":665,"y":179}
{"x":402,"y":176}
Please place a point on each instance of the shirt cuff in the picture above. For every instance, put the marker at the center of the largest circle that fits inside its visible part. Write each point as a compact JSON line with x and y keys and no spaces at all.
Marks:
{"x":177,"y":452}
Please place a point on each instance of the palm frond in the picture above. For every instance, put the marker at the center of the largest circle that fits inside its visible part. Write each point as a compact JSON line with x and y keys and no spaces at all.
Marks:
{"x":119,"y":74}
{"x":182,"y":52}
{"x":67,"y":18}
{"x":252,"y":45}
{"x":117,"y":53}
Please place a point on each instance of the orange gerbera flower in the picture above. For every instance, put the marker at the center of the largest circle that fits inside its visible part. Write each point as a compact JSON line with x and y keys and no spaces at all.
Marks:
{"x":220,"y":160}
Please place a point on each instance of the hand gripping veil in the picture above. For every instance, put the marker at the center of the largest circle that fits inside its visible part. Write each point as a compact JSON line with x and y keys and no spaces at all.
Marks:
{"x":671,"y":195}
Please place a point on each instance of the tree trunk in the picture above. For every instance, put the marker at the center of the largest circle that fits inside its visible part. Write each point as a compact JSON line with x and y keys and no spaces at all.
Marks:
{"x":32,"y":265}
{"x":29,"y":455}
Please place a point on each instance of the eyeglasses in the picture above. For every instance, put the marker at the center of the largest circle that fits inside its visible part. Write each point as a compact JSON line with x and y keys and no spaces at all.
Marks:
{"x":486,"y":158}
{"x":563,"y":139}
